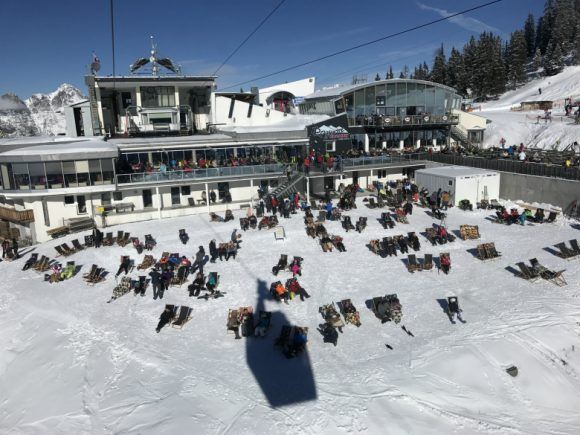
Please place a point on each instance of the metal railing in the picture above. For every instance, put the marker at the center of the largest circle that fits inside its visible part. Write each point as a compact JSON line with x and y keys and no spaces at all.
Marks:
{"x":508,"y":165}
{"x":408,"y":120}
{"x":200,"y":174}
{"x":374,"y":161}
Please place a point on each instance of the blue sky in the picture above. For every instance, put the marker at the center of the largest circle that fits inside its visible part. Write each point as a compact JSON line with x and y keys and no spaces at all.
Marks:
{"x":46,"y":43}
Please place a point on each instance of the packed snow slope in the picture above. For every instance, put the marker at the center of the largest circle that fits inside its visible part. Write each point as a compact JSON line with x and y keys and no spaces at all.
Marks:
{"x":523,"y":127}
{"x":72,"y":363}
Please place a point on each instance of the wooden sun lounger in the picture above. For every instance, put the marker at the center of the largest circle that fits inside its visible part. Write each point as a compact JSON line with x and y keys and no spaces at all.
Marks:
{"x":183,"y":317}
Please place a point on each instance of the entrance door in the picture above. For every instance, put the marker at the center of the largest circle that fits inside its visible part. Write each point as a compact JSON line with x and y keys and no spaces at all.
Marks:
{"x":355,"y":177}
{"x":147,"y":198}
{"x":328,"y":183}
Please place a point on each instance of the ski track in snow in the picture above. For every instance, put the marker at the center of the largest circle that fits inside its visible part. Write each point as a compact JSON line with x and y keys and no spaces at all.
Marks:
{"x":74,"y":364}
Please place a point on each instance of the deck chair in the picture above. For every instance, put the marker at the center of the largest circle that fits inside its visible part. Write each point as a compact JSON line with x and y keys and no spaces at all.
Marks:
{"x":148,"y":261}
{"x":60,"y":251}
{"x":191,"y":202}
{"x":527,"y":273}
{"x":481,"y":252}
{"x":122,"y":288}
{"x":372,"y":203}
{"x":547,"y":274}
{"x":490,"y":251}
{"x":68,"y":251}
{"x":98,"y":277}
{"x":183,"y":236}
{"x":428,"y":262}
{"x":565,"y":252}
{"x":108,"y":240}
{"x":321,"y":216}
{"x":331,"y":315}
{"x":233,"y":322}
{"x":282,"y":264}
{"x":119,"y":238}
{"x":180,"y":277}
{"x":412,"y":264}
{"x":41,"y":265}
{"x":89,"y":241}
{"x":183,"y":317}
{"x":89,"y":276}
{"x":575,"y":247}
{"x":125,"y":240}
{"x":350,"y":313}
{"x":77,"y":245}
{"x":552,"y":217}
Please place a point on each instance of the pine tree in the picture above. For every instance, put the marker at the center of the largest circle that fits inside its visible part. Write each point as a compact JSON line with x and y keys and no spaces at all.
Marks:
{"x":537,"y":62}
{"x":545,"y":24}
{"x":390,"y":74}
{"x":564,"y":25}
{"x":404,"y":73}
{"x":517,"y":58}
{"x":455,"y":71}
{"x":438,"y":72}
{"x":530,"y":34}
{"x":577,"y":42}
{"x":553,"y":60}
{"x":377,"y":77}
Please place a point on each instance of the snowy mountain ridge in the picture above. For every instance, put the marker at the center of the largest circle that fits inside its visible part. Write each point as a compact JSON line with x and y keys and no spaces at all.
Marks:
{"x":40,"y":114}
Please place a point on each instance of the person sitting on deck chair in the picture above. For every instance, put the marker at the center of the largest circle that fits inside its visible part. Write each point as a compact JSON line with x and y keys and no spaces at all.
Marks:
{"x":197,"y":285}
{"x":124,"y":266}
{"x":539,"y":216}
{"x":67,"y":272}
{"x":211,"y":283}
{"x":298,"y":343}
{"x":337,"y":241}
{"x":294,"y":288}
{"x":445,"y":264}
{"x":514,"y":215}
{"x":279,"y":292}
{"x":442,"y":234}
{"x":164,"y":319}
{"x":296,"y":268}
{"x":30,"y":262}
{"x":262,"y":327}
{"x":329,"y":333}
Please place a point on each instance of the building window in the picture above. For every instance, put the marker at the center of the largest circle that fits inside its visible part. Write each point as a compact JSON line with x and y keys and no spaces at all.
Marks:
{"x":81,"y":204}
{"x":106,"y":198}
{"x":382,"y":173}
{"x":126,"y":99}
{"x":175,"y":197}
{"x":54,"y":175}
{"x":451,"y":182}
{"x":381,"y":101}
{"x":185,"y":190}
{"x":223,"y":189}
{"x":118,"y":196}
{"x":69,"y":199}
{"x":147,"y":198}
{"x":157,"y":96}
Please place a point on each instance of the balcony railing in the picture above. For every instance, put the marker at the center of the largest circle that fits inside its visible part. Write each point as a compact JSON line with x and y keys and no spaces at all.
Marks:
{"x":16,"y":216}
{"x":372,"y":161}
{"x":200,"y":174}
{"x":402,"y":121}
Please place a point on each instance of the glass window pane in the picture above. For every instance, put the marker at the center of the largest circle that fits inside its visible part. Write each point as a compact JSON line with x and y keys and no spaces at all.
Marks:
{"x":70,"y":175}
{"x":54,"y":175}
{"x":95,"y":172}
{"x":21,"y":178}
{"x":37,"y":178}
{"x":401,"y":95}
{"x":391,"y":95}
{"x":359,"y":104}
{"x":107,"y":169}
{"x":370,"y":108}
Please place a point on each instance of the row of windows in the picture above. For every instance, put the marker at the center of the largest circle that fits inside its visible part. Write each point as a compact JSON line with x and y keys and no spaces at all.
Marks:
{"x":399,"y":99}
{"x":57,"y":175}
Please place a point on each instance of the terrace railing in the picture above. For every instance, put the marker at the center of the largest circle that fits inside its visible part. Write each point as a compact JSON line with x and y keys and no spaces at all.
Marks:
{"x":199,"y":174}
{"x":508,"y":165}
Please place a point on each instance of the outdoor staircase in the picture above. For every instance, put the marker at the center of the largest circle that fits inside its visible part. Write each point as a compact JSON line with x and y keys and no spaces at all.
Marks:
{"x":94,"y":109}
{"x":289,"y":186}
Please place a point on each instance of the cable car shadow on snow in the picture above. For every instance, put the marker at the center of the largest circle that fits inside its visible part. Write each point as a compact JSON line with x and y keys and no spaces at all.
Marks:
{"x":284,"y":381}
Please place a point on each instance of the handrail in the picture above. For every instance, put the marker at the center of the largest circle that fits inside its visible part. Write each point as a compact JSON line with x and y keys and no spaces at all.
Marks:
{"x":225,"y":171}
{"x":508,"y":165}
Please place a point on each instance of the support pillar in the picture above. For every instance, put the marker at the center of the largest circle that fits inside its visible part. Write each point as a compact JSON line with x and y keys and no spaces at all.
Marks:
{"x":159,"y":202}
{"x":207,"y":196}
{"x":308,"y":190}
{"x":252,"y":193}
{"x":367,"y":143}
{"x":384,"y":144}
{"x":401,"y":144}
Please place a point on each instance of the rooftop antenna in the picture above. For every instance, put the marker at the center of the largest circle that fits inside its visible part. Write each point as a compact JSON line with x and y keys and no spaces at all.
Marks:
{"x":153,"y":57}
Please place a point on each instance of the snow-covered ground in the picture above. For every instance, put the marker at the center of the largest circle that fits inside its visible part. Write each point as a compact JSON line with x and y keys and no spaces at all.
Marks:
{"x":71,"y":363}
{"x":522,"y":127}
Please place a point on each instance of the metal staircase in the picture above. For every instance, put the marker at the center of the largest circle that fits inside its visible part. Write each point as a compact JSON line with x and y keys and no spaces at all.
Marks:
{"x":94,"y":109}
{"x":292,"y":185}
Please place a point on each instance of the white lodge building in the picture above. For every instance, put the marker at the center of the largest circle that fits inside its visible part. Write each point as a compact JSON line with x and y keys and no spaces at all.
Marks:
{"x":156,"y":146}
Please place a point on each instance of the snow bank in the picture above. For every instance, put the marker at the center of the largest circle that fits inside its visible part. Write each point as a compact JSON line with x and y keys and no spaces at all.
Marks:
{"x":71,"y":363}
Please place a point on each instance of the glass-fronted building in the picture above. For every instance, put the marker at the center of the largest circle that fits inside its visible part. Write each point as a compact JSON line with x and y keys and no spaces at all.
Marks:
{"x":391,"y":112}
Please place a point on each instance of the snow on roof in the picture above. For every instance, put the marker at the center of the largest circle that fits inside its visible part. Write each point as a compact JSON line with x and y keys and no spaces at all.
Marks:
{"x":53,"y":149}
{"x":454,"y":171}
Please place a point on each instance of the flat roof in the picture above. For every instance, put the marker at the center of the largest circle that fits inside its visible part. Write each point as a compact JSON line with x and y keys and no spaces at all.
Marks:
{"x":455,"y":171}
{"x":57,"y":149}
{"x":340,"y":90}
